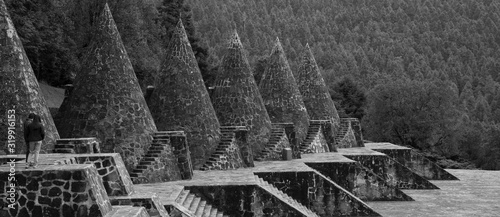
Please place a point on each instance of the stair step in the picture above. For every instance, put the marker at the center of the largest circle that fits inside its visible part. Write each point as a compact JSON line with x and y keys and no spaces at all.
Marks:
{"x":194,"y":204}
{"x":187,"y":200}
{"x":207,"y":210}
{"x":213,"y":212}
{"x":200,"y":208}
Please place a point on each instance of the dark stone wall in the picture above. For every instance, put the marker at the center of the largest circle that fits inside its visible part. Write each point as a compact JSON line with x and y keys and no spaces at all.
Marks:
{"x":418,"y":164}
{"x":20,"y":90}
{"x":236,"y":98}
{"x":69,"y":190}
{"x":393,"y":172}
{"x":317,"y":193}
{"x":77,"y":146}
{"x":281,"y":94}
{"x":107,"y":101}
{"x":181,"y":101}
{"x":356,"y":128}
{"x":111,"y":169}
{"x":361,"y":182}
{"x":180,"y":150}
{"x":244,"y":200}
{"x":314,"y":91}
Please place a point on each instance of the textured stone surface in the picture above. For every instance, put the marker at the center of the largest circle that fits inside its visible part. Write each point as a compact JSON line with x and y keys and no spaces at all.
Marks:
{"x":180,"y":150}
{"x":361,"y":182}
{"x":181,"y":101}
{"x":20,"y":89}
{"x":348,"y":140}
{"x":281,"y":94}
{"x":65,"y":191}
{"x":107,"y":101}
{"x":413,"y":160}
{"x":277,"y":143}
{"x":315,"y":141}
{"x":77,"y":146}
{"x":327,"y":128}
{"x":354,"y":124}
{"x":111,"y":169}
{"x":236,"y":98}
{"x":158,"y":165}
{"x":151,"y":202}
{"x":228,"y":155}
{"x":314,"y":91}
{"x":317,"y":193}
{"x":392,"y":172}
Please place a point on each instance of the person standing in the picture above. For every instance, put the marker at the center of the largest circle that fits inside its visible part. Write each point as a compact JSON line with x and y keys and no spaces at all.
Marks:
{"x":35,"y":135}
{"x":28,"y":121}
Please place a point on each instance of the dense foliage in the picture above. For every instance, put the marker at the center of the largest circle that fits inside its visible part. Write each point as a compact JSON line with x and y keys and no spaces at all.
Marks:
{"x":422,"y":73}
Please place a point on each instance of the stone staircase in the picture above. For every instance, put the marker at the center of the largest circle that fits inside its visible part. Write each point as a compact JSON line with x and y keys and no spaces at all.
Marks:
{"x":277,"y":141}
{"x":343,"y":129}
{"x":284,"y":197}
{"x":158,"y":146}
{"x":194,"y":206}
{"x":312,"y":133}
{"x":219,"y":159}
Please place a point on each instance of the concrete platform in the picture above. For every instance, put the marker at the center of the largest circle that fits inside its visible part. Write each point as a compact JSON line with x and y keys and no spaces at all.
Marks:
{"x":476,"y":194}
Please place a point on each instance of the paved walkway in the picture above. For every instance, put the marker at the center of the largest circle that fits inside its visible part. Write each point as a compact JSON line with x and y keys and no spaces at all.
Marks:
{"x":476,"y":194}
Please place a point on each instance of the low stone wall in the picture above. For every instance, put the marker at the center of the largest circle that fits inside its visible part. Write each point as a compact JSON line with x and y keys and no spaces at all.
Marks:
{"x":151,"y":202}
{"x":56,"y":190}
{"x":418,"y":164}
{"x":360,"y":181}
{"x":111,"y":169}
{"x":77,"y":146}
{"x":328,"y":129}
{"x":292,"y":138}
{"x":393,"y":172}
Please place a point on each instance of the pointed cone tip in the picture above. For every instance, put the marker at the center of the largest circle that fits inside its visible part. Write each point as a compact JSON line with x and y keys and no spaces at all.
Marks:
{"x":278,"y":48}
{"x":234,"y":40}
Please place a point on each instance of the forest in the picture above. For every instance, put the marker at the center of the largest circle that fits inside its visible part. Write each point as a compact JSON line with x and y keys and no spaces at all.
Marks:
{"x":421,"y":73}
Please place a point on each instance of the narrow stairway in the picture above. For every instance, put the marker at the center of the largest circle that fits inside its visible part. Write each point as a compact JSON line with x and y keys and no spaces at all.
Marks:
{"x":195,"y":206}
{"x":284,"y":197}
{"x":271,"y":148}
{"x":157,"y":147}
{"x":227,"y":137}
{"x":344,"y":128}
{"x":312,"y":133}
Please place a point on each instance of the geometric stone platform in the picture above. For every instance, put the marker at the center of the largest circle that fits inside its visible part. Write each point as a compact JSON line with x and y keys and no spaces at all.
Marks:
{"x":476,"y":194}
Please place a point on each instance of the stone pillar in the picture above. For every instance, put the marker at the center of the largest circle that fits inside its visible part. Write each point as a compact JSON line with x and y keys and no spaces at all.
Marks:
{"x":181,"y":152}
{"x":356,"y":128}
{"x":327,"y":128}
{"x":290,"y":132}
{"x":241,"y":137}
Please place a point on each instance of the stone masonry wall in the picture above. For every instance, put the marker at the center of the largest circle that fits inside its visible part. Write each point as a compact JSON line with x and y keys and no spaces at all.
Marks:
{"x":236,"y":98}
{"x":361,"y":182}
{"x":281,"y":94}
{"x":107,"y":101}
{"x":20,"y":90}
{"x":111,"y":169}
{"x":65,"y":191}
{"x":316,"y":193}
{"x":181,"y":101}
{"x":314,"y":91}
{"x":393,"y":172}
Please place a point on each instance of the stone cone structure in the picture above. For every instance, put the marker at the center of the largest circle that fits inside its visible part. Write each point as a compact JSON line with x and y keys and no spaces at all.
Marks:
{"x":312,"y":86}
{"x":181,"y":101}
{"x":236,"y":98}
{"x":21,"y":93}
{"x":281,"y":94}
{"x":107,"y":101}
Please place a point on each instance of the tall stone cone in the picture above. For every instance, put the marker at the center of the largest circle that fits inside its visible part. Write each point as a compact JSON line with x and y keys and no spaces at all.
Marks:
{"x":312,"y":86}
{"x":20,"y":92}
{"x":106,"y":101}
{"x":281,"y":94}
{"x":181,"y":101}
{"x":236,"y":98}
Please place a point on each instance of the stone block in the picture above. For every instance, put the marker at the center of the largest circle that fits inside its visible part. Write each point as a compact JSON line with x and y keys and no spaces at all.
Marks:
{"x":79,"y":145}
{"x":56,"y":190}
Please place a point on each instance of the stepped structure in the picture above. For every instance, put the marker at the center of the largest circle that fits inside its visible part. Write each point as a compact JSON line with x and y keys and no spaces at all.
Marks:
{"x":20,"y":91}
{"x":281,"y":95}
{"x":312,"y":86}
{"x":236,"y":98}
{"x":107,"y":102}
{"x":181,"y":101}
